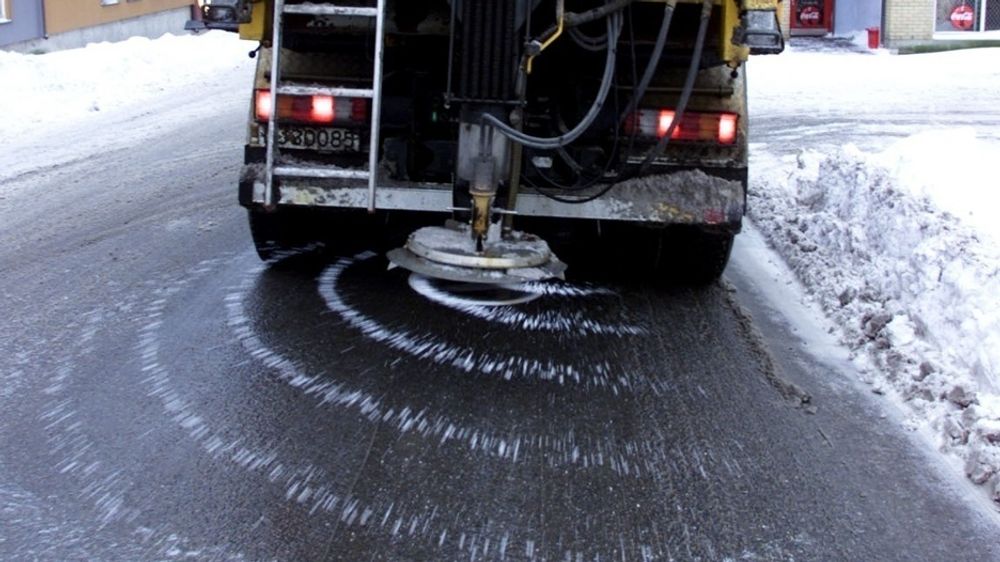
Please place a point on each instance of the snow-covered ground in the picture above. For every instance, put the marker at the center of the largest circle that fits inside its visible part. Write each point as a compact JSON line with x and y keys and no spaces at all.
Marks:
{"x":872,"y":177}
{"x":886,"y":212}
{"x":72,"y":104}
{"x":65,"y":86}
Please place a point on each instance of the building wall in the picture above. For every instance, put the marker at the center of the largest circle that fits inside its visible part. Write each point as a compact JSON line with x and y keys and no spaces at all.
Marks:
{"x":785,"y":17}
{"x":24,"y":21}
{"x":908,"y":21}
{"x":151,"y":25}
{"x":68,"y":15}
{"x":856,"y":15}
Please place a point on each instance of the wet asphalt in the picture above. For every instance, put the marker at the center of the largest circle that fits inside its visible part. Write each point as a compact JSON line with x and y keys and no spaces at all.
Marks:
{"x":163,"y":395}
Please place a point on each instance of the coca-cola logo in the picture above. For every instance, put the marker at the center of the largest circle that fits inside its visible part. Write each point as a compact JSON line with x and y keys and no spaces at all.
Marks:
{"x":963,"y":17}
{"x":810,"y":15}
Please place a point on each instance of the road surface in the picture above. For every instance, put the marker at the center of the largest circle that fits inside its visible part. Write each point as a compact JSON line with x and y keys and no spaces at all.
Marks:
{"x":165,"y":396}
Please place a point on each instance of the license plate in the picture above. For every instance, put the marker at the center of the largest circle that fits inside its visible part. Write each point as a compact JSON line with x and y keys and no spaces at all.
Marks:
{"x":323,"y":140}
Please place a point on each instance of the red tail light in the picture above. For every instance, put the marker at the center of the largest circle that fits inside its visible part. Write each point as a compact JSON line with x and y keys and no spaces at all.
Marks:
{"x":323,"y":109}
{"x":727,"y":128}
{"x":663,"y":122}
{"x":314,"y":110}
{"x":262,"y":105}
{"x":720,"y":128}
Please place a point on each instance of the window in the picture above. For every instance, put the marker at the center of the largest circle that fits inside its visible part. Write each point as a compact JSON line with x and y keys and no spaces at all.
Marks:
{"x":4,"y":11}
{"x":957,"y":15}
{"x":991,"y":15}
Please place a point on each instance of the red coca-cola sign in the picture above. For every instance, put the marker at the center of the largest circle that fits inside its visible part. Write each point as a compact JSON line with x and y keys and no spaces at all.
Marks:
{"x":963,"y":17}
{"x":811,"y":16}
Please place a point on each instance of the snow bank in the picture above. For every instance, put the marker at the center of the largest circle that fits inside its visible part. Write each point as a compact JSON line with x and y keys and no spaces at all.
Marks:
{"x":900,"y":249}
{"x":45,"y":91}
{"x":956,"y":171}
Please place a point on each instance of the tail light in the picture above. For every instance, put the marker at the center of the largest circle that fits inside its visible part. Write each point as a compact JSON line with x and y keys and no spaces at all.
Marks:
{"x":314,"y":110}
{"x":719,"y":128}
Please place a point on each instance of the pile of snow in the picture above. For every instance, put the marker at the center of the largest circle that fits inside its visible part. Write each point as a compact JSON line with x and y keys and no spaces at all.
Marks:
{"x":900,"y":248}
{"x":45,"y":91}
{"x":897,"y":240}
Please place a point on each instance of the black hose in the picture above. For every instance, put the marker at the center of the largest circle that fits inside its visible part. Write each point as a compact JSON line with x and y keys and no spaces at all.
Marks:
{"x":601,"y":177}
{"x":574,"y":19}
{"x":692,"y":74}
{"x":638,"y":90}
{"x":654,"y":62}
{"x":549,"y":143}
{"x":688,"y":88}
{"x":587,"y":43}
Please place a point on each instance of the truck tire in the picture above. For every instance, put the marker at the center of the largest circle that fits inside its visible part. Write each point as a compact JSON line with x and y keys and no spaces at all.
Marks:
{"x":695,"y":257}
{"x":277,"y":234}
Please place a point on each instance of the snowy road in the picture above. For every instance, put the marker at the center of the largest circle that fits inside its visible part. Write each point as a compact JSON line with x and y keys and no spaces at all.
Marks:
{"x":164,"y":397}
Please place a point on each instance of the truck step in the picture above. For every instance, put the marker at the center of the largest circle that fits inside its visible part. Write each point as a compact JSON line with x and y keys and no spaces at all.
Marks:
{"x":321,"y":173}
{"x":312,"y":9}
{"x":292,"y":89}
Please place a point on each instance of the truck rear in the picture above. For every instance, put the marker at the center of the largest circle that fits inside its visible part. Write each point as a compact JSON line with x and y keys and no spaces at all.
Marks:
{"x":494,"y":114}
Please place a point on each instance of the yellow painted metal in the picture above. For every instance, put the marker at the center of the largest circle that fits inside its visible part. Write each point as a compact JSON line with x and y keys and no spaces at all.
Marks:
{"x":560,"y":25}
{"x":761,"y":5}
{"x":481,"y":203}
{"x":730,"y":21}
{"x":254,"y":31}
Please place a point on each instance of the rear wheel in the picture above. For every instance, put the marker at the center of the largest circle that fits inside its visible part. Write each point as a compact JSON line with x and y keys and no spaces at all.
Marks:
{"x":693,"y":256}
{"x":279,"y":233}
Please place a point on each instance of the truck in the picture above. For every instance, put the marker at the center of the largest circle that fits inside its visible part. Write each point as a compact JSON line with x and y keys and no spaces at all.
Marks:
{"x":475,"y":121}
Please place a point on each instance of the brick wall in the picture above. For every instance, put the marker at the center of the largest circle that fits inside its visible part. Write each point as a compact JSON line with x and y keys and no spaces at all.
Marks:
{"x":785,"y":16}
{"x":908,"y":21}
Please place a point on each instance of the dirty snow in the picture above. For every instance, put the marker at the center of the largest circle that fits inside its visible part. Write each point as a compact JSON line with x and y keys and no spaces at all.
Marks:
{"x":897,"y":241}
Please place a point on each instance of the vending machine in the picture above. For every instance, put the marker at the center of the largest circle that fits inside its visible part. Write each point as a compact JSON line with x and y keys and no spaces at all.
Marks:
{"x":812,"y":17}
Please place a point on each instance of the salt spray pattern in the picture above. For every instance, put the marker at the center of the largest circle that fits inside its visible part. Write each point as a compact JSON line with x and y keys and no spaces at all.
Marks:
{"x":102,"y":484}
{"x":429,"y":346}
{"x":304,"y":482}
{"x":308,"y":484}
{"x":629,"y":458}
{"x":575,"y":322}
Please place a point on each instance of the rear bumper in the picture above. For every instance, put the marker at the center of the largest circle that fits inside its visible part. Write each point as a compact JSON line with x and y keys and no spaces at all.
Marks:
{"x":708,"y":197}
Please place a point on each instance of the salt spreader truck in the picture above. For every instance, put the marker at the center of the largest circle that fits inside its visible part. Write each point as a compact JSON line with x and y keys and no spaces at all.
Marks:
{"x":494,"y":114}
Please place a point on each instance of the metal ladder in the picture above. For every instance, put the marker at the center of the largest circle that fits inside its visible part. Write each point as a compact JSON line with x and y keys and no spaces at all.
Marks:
{"x":278,"y":88}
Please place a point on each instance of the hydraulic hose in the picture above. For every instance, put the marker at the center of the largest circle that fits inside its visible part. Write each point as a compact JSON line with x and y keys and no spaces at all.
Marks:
{"x":639,"y":90}
{"x":573,"y":19}
{"x":587,"y":43}
{"x":692,"y":74}
{"x":549,"y":143}
{"x":654,"y":61}
{"x":688,"y":88}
